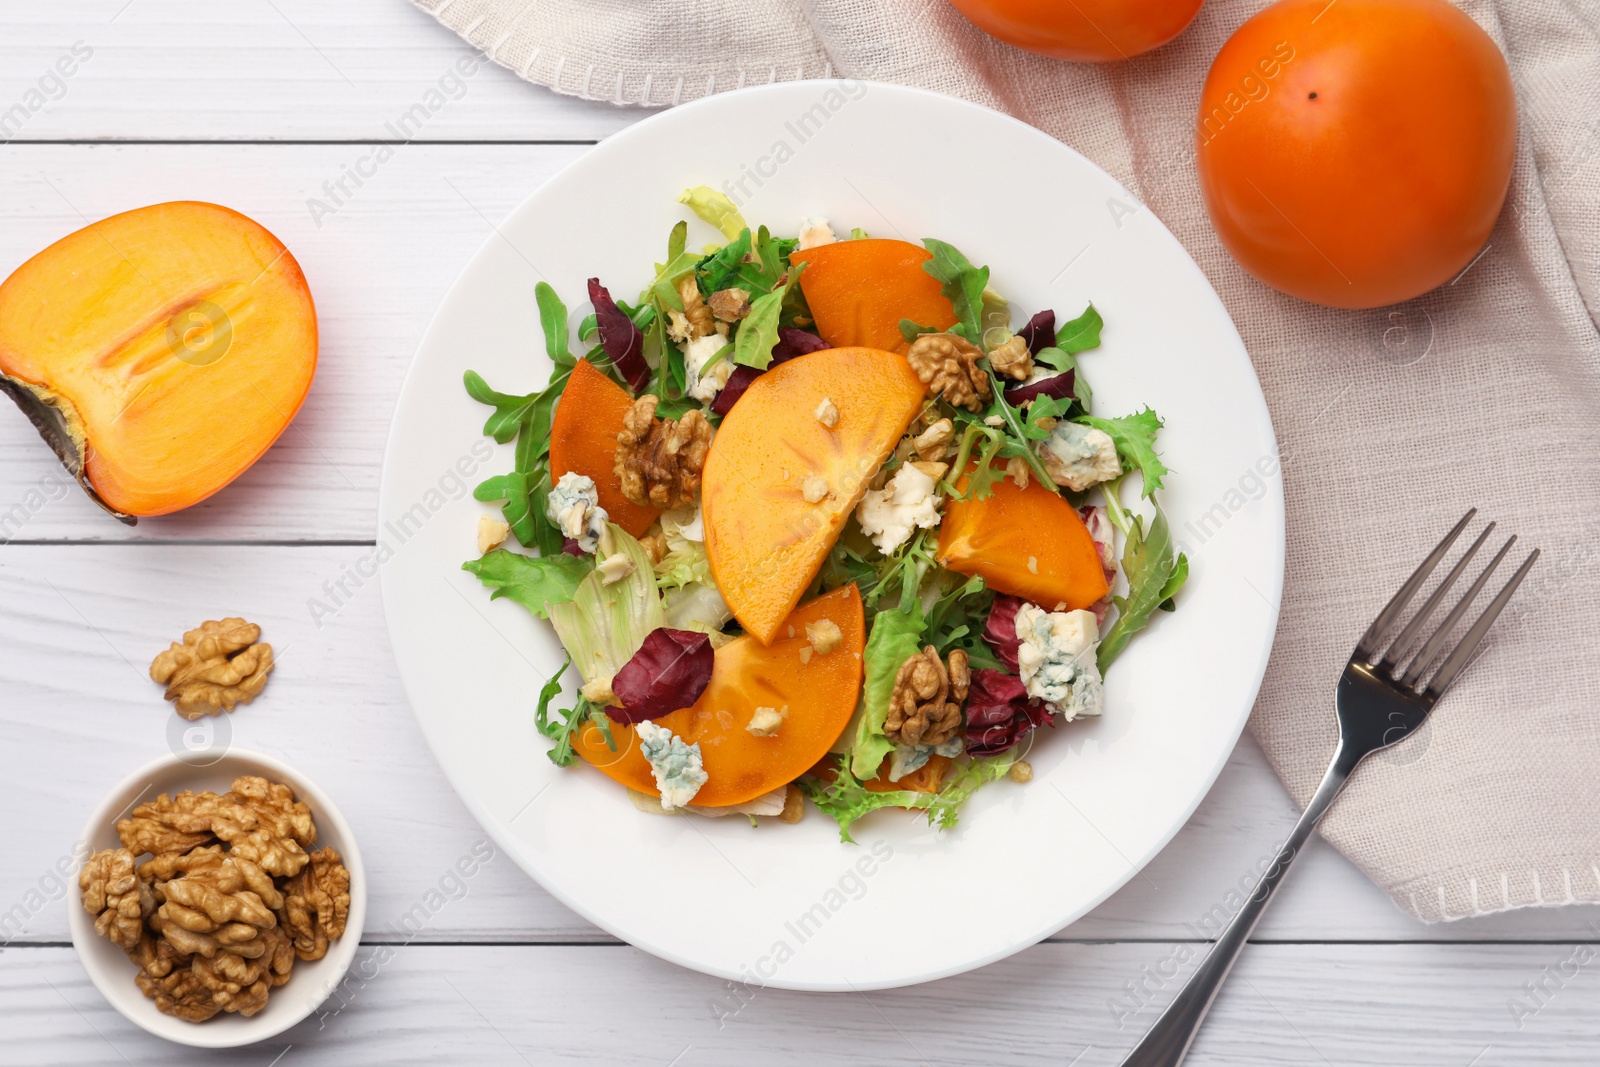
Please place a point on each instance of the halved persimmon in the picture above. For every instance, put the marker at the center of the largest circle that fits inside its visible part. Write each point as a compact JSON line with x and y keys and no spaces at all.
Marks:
{"x":1028,"y":542}
{"x":816,"y":692}
{"x":583,"y":439}
{"x":858,"y":291}
{"x":160,"y":352}
{"x":779,"y":483}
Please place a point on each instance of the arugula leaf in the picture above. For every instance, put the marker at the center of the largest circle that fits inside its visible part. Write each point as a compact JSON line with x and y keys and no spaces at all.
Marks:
{"x":895,"y":636}
{"x":516,"y":490}
{"x":1135,"y":438}
{"x":509,"y":410}
{"x":1080,"y":334}
{"x":553,"y":321}
{"x":911,"y":330}
{"x":1154,"y":574}
{"x":1018,"y":427}
{"x":857,"y":233}
{"x":715,"y":208}
{"x":677,"y":240}
{"x":758,"y":331}
{"x":1054,"y":358}
{"x":561,"y":731}
{"x":962,"y":284}
{"x":1180,"y":575}
{"x":535,"y":582}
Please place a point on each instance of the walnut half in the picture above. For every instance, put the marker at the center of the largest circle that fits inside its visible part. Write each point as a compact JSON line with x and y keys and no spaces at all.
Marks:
{"x":948,"y":366}
{"x":928,"y":694}
{"x":659,"y":461}
{"x":219,"y":665}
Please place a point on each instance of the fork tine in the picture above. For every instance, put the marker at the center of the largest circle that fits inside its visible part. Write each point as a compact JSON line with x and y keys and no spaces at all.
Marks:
{"x":1397,"y":651}
{"x":1370,"y":640}
{"x":1457,"y":660}
{"x":1442,"y":634}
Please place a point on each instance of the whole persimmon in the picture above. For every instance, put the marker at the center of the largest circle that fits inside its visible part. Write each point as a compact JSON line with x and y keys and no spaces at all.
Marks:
{"x":1356,"y":153}
{"x":1091,"y":31}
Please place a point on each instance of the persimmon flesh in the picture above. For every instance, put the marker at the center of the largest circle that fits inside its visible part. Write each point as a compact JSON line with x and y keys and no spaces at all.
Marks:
{"x":1028,"y":542}
{"x":1356,"y":154}
{"x":779,"y":484}
{"x":858,"y":292}
{"x":160,"y":351}
{"x":818,"y":691}
{"x":583,"y":439}
{"x":1083,"y":30}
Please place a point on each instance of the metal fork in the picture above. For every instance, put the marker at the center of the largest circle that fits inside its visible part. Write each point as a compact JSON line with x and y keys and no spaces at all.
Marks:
{"x":1380,"y":700}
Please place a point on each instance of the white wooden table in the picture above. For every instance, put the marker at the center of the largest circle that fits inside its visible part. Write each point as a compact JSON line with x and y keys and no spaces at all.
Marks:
{"x":257,"y":104}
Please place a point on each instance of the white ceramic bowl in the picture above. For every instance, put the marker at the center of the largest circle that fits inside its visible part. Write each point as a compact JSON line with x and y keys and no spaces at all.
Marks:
{"x":310,"y":983}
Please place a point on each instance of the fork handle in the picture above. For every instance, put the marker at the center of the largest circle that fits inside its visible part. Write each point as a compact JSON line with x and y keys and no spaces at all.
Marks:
{"x":1169,"y":1039}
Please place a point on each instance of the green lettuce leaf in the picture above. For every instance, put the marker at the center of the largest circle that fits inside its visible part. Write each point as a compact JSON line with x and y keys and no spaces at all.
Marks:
{"x":758,"y":331}
{"x":962,"y":284}
{"x":895,"y":636}
{"x":602,"y":626}
{"x":1154,"y":571}
{"x":715,"y":208}
{"x":685,"y":562}
{"x":535,"y":582}
{"x":1135,"y":438}
{"x":846,"y":799}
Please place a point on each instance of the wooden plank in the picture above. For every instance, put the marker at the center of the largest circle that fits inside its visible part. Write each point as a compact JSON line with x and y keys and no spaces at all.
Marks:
{"x":377,"y":268}
{"x":1285,"y":1006}
{"x":294,"y":70}
{"x":81,"y":623}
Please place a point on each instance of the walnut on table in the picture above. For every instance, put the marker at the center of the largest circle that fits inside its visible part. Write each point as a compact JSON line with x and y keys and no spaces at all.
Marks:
{"x":218,"y":666}
{"x":659,"y":462}
{"x":948,"y":366}
{"x":114,"y":895}
{"x":928,"y":694}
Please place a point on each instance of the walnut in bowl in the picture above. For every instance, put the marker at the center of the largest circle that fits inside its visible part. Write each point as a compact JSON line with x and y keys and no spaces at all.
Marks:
{"x":230,"y":896}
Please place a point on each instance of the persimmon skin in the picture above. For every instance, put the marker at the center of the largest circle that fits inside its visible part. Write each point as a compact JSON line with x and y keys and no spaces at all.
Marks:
{"x":583,"y":439}
{"x":994,"y":538}
{"x":764,"y":540}
{"x":1086,"y":31}
{"x":859,"y":290}
{"x":1356,"y":155}
{"x":819,"y":691}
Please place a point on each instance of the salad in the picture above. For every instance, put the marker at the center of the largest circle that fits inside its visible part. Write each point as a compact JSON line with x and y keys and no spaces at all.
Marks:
{"x":816,"y":520}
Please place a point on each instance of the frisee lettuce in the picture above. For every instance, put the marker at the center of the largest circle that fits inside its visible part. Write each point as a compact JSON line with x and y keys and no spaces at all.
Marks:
{"x":1135,"y":438}
{"x":846,"y":799}
{"x":535,"y":582}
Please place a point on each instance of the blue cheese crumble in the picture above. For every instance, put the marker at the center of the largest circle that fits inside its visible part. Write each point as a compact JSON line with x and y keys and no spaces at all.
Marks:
{"x":908,"y":759}
{"x":676,"y":766}
{"x":1056,"y":659}
{"x":574,"y":506}
{"x":696,"y":354}
{"x":1079,"y":456}
{"x":889,"y":515}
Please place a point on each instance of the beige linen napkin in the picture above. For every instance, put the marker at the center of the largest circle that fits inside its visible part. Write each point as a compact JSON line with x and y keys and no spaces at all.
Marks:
{"x":1390,"y":422}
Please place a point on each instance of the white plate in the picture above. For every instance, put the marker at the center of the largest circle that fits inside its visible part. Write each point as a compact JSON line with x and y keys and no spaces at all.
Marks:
{"x":309,"y":984}
{"x":792,"y":906}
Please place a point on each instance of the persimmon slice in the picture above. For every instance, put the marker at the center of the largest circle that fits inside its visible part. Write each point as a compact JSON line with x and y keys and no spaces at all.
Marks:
{"x":819,"y":692}
{"x":779,"y":483}
{"x":583,"y":438}
{"x":160,"y":351}
{"x":858,"y":291}
{"x":1028,"y":542}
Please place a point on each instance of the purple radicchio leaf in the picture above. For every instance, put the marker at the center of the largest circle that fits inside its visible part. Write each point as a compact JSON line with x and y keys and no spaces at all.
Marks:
{"x":670,"y":671}
{"x":621,"y":339}
{"x":791,"y":343}
{"x":999,"y":713}
{"x":1057,"y":385}
{"x":571,"y":547}
{"x":1040,"y":332}
{"x":1000,"y":630}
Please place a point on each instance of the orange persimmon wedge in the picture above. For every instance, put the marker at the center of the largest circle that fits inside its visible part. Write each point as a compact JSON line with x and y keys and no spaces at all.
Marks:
{"x":925,"y":779}
{"x":1028,"y":542}
{"x":583,"y":439}
{"x":858,"y":292}
{"x":819,"y":692}
{"x":765,"y":540}
{"x":160,"y":351}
